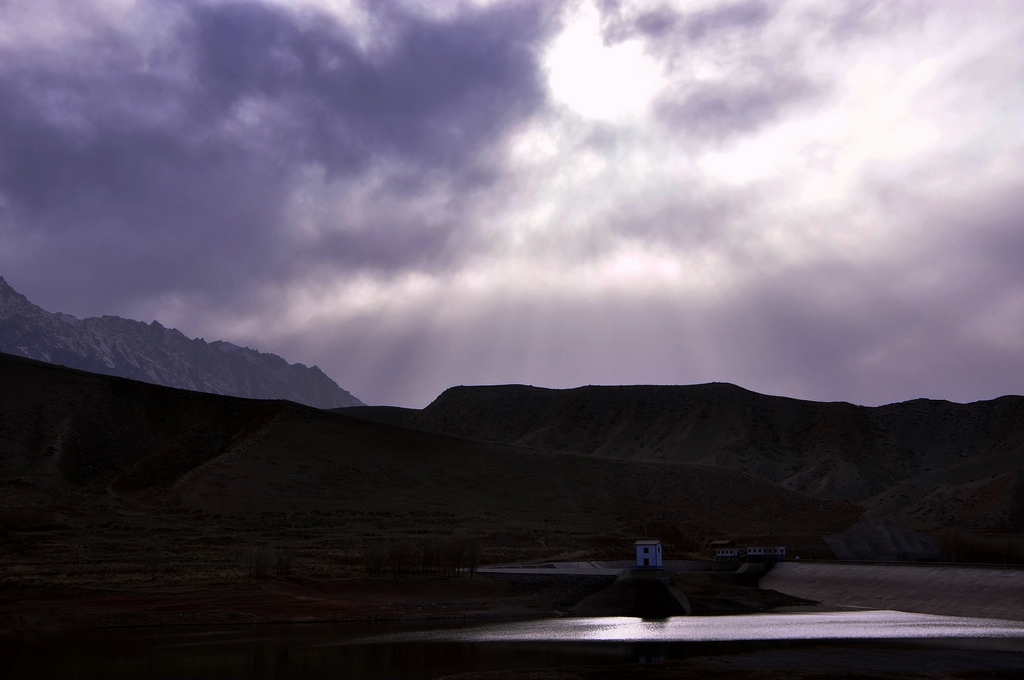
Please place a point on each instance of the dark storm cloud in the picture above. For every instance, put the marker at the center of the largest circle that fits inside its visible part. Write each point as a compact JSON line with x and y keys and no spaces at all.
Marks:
{"x":441,"y":92}
{"x":170,"y":171}
{"x":815,"y":200}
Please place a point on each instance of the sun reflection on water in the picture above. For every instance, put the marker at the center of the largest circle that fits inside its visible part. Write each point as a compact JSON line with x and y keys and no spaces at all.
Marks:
{"x":820,"y":626}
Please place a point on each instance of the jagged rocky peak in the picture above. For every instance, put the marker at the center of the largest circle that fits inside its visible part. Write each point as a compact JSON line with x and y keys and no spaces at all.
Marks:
{"x":11,"y":301}
{"x":163,"y":356}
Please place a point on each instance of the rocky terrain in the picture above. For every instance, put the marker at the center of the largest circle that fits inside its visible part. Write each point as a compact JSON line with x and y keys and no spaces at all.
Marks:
{"x":924,"y":464}
{"x":162,"y":356}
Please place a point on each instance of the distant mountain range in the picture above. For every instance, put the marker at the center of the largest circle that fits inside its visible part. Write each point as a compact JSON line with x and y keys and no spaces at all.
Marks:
{"x":924,"y":464}
{"x":163,"y":356}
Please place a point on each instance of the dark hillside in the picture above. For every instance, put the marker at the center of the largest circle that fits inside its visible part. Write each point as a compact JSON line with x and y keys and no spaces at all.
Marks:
{"x":116,"y":468}
{"x":388,"y":415}
{"x":927,"y":463}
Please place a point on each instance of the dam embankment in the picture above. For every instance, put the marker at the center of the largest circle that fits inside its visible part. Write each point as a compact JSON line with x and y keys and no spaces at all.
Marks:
{"x":952,"y":590}
{"x":613,"y":588}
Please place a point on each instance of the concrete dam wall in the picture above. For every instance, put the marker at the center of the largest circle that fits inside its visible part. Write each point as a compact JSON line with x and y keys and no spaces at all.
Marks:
{"x":636,"y":593}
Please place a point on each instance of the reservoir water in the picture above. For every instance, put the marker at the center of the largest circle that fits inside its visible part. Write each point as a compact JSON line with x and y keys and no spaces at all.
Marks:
{"x":425,"y":650}
{"x":871,"y":624}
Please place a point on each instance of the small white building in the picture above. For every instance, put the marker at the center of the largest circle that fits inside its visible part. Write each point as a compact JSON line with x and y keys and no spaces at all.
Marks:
{"x":725,"y":551}
{"x":648,"y":554}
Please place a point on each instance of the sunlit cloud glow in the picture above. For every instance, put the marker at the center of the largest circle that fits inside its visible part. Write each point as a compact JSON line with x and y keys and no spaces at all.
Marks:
{"x":813,"y":199}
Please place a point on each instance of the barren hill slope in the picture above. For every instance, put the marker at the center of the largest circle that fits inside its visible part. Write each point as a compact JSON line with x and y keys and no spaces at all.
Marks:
{"x":85,"y":444}
{"x":925,"y":463}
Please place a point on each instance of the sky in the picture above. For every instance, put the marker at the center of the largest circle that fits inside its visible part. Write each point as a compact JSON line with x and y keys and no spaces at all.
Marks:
{"x":821,"y":200}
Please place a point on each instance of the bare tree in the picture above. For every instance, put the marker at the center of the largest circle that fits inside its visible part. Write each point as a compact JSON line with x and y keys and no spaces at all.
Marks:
{"x":472,"y":556}
{"x":258,"y":562}
{"x":401,"y":558}
{"x":430,"y":556}
{"x":283,"y":561}
{"x":375,"y":559}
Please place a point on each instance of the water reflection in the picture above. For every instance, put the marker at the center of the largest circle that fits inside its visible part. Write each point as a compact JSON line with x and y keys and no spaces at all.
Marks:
{"x":824,"y":626}
{"x":423,"y":650}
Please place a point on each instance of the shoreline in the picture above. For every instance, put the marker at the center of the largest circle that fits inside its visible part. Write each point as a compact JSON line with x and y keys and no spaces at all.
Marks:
{"x":32,"y":608}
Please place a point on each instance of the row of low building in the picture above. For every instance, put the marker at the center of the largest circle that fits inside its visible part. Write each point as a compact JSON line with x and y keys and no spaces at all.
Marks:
{"x":649,"y":556}
{"x":725,"y":551}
